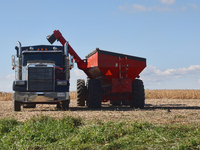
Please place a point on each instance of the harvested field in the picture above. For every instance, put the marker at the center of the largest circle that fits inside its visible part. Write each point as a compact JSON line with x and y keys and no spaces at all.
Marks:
{"x":149,"y":94}
{"x":184,"y":111}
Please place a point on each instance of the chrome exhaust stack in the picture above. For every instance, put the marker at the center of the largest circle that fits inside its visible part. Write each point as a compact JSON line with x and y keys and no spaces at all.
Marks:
{"x":66,"y":62}
{"x":19,"y":62}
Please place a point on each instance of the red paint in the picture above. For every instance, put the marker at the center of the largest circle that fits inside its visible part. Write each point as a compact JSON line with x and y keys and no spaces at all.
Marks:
{"x":107,"y":63}
{"x":116,"y":74}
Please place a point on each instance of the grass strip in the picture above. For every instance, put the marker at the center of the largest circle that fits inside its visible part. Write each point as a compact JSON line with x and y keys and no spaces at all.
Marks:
{"x":44,"y":132}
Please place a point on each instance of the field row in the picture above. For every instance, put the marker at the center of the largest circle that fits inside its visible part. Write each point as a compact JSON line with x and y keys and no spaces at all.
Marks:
{"x":149,"y":94}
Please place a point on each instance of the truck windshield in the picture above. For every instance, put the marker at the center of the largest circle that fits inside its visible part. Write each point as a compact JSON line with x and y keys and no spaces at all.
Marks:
{"x":50,"y":56}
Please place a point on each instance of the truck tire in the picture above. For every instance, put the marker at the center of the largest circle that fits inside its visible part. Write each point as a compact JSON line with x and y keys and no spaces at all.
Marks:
{"x":58,"y":106}
{"x":65,"y":105}
{"x":138,"y":95}
{"x":81,"y":92}
{"x":29,"y":105}
{"x":94,"y":94}
{"x":17,"y":105}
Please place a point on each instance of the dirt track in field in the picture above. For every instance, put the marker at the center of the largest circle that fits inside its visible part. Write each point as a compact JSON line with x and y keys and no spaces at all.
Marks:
{"x":183,"y":111}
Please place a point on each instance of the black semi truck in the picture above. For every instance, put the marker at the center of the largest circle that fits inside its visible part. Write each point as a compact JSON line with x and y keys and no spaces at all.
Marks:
{"x":42,"y":75}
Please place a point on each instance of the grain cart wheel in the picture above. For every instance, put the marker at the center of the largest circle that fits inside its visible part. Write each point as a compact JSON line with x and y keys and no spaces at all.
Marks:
{"x":138,"y":96}
{"x":81,"y":92}
{"x":94,"y":94}
{"x":116,"y":103}
{"x":125,"y":102}
{"x":29,"y":105}
{"x":87,"y":93}
{"x":17,"y":105}
{"x":65,"y":105}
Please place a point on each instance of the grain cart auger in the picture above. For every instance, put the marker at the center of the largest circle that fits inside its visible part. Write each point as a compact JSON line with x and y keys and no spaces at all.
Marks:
{"x":111,"y":77}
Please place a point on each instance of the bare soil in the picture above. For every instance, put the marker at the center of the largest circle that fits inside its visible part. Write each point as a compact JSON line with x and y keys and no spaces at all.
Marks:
{"x":159,"y":111}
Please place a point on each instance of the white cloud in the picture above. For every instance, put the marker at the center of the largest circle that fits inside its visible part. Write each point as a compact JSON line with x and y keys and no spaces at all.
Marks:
{"x":10,"y":77}
{"x":77,"y":73}
{"x":194,"y":6}
{"x":133,"y":8}
{"x":169,"y":2}
{"x":6,"y":83}
{"x":140,"y":8}
{"x":152,"y":74}
{"x":198,"y":81}
{"x":9,"y":86}
{"x":74,"y":75}
{"x":136,"y":7}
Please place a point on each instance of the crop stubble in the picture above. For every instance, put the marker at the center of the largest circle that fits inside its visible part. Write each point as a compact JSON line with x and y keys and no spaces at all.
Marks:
{"x":182,"y":110}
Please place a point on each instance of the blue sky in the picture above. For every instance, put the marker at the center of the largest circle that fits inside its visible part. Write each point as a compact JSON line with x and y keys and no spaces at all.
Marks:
{"x":166,"y":32}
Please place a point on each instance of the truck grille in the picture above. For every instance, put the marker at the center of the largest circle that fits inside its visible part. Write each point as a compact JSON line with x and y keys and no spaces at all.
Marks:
{"x":40,"y":79}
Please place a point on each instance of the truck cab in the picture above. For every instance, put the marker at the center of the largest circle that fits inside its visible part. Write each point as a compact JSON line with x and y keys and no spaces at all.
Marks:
{"x":41,"y":76}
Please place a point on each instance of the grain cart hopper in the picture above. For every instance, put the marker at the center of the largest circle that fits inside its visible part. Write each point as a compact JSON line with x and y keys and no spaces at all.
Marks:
{"x":42,"y":76}
{"x":111,"y":77}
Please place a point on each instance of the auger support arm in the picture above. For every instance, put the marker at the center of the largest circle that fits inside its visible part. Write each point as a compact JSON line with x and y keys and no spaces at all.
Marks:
{"x":82,"y":64}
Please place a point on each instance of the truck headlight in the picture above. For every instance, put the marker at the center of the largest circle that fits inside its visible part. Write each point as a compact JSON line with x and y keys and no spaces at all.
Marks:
{"x":20,"y":82}
{"x":61,"y":82}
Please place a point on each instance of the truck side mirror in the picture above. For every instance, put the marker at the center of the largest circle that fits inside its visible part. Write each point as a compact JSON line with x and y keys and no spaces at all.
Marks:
{"x":71,"y":62}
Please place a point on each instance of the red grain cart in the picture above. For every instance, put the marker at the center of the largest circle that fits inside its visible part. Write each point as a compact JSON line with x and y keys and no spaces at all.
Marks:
{"x":111,"y":77}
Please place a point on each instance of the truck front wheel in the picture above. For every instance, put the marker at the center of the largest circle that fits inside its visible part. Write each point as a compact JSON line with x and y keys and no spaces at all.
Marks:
{"x":17,"y":105}
{"x":65,"y":105}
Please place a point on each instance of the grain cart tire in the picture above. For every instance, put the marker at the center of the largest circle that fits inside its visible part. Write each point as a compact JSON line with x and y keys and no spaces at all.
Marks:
{"x":87,"y":83}
{"x":125,"y":102}
{"x":138,"y":96}
{"x":94,"y":94}
{"x":29,"y":105}
{"x":65,"y":105}
{"x":17,"y":105}
{"x":81,"y":92}
{"x":116,"y":103}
